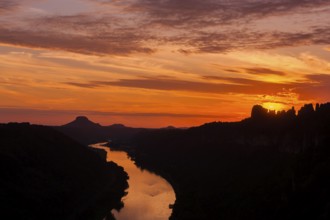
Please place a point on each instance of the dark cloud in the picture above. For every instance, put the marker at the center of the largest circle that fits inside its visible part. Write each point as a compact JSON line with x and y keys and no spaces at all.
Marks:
{"x":214,"y":12}
{"x":194,"y":26}
{"x":317,"y":85}
{"x":7,"y":6}
{"x":226,"y":41}
{"x":115,"y":42}
{"x":234,"y":85}
{"x":324,"y":79}
{"x":83,"y":85}
{"x":251,"y":70}
{"x":84,"y":23}
{"x":264,"y":71}
{"x":255,"y":86}
{"x":86,"y":33}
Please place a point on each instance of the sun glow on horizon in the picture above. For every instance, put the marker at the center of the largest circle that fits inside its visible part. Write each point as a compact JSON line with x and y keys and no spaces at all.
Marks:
{"x":274,"y":106}
{"x":142,"y":63}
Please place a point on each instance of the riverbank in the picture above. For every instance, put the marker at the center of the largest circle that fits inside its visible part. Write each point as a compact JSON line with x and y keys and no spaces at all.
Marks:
{"x":141,"y":161}
{"x":45,"y":174}
{"x":147,"y":191}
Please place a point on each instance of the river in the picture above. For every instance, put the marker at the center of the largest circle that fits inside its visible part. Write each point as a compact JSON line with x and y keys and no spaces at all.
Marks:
{"x":149,"y":195}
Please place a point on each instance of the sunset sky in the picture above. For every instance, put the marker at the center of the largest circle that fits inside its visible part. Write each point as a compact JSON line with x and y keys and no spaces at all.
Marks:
{"x":154,"y":63}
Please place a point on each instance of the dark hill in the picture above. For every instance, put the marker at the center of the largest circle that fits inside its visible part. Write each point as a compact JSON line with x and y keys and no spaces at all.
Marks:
{"x":45,"y":174}
{"x":87,"y":132}
{"x":82,"y":121}
{"x":84,"y":131}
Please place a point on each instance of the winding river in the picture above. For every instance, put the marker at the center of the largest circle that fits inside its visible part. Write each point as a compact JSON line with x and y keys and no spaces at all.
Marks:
{"x":149,"y":195}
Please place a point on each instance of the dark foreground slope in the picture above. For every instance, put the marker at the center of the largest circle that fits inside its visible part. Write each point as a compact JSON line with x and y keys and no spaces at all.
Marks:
{"x":46,"y":175}
{"x":270,"y":166}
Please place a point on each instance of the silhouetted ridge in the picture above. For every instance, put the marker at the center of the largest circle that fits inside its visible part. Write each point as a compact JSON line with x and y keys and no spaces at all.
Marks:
{"x":87,"y":132}
{"x":273,"y":165}
{"x":117,"y":126}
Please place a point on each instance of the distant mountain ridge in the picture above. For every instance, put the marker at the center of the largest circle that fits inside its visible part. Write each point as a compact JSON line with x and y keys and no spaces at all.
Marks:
{"x":88,"y":132}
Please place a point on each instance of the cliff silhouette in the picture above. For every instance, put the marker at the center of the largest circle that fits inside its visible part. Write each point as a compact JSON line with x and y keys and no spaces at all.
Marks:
{"x":273,"y":165}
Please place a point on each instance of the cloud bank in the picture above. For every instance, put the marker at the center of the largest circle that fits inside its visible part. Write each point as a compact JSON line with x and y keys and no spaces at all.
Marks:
{"x":141,"y":26}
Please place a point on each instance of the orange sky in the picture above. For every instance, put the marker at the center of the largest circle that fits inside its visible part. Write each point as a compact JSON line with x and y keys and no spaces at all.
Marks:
{"x":148,"y":63}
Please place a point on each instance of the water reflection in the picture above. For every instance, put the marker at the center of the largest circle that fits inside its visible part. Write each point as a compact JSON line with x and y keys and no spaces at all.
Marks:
{"x":149,"y":195}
